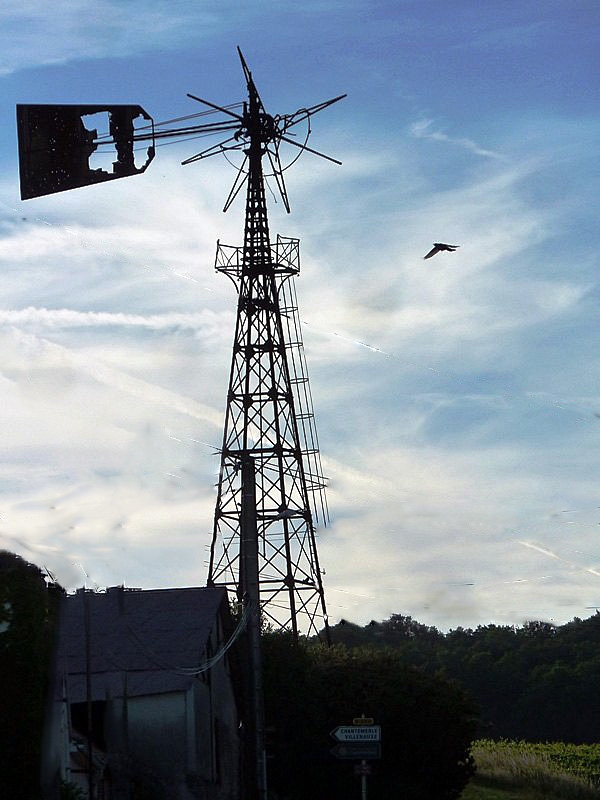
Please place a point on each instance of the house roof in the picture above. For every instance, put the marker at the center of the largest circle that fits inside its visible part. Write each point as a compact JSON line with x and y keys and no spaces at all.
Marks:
{"x":141,"y":642}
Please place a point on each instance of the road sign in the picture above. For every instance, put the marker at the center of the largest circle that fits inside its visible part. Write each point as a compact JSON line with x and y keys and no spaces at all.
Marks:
{"x":357,"y":733}
{"x":357,"y":750}
{"x":363,"y":721}
{"x":362,"y":769}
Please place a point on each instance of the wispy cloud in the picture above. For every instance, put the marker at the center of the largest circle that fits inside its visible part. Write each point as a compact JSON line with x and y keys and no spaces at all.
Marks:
{"x":37,"y":33}
{"x":69,"y":318}
{"x":48,"y":357}
{"x":423,"y":129}
{"x":425,"y":518}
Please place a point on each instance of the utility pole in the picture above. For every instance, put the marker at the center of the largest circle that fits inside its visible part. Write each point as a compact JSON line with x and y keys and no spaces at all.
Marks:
{"x":251,"y":599}
{"x":88,"y":688}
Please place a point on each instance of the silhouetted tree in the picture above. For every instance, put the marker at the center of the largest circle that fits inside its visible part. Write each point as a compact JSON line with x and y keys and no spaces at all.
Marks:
{"x":427,"y":722}
{"x":28,"y":618}
{"x":539,"y":681}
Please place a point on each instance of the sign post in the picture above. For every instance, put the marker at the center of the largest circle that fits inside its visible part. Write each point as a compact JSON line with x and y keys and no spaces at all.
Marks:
{"x":360,"y":742}
{"x":363,"y":780}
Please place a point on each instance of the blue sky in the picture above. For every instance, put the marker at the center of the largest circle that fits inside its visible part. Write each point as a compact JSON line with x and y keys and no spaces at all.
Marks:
{"x":456,"y":398}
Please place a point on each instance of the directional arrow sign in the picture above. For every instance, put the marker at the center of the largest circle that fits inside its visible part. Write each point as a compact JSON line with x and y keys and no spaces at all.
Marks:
{"x":357,"y":750}
{"x":357,"y":733}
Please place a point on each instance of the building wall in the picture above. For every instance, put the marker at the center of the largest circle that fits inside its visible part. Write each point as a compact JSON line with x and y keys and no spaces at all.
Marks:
{"x":225,"y":726}
{"x":157,"y":733}
{"x":177,"y":745}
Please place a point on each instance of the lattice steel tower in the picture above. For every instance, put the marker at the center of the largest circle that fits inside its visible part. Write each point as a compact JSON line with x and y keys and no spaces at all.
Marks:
{"x":269,"y":419}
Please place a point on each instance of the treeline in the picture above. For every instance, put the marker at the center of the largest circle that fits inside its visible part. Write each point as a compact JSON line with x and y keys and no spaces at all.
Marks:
{"x":538,"y":682}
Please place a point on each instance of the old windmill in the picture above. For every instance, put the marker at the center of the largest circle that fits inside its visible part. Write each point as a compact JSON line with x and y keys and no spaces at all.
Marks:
{"x":271,"y":489}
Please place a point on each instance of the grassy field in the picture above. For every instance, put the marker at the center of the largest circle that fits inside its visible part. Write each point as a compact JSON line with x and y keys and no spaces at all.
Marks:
{"x":476,"y":791}
{"x":526,"y":771}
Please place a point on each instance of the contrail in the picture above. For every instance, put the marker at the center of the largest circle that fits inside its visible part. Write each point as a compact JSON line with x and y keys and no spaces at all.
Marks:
{"x":549,"y":553}
{"x":538,"y":397}
{"x":69,"y":318}
{"x":128,"y":383}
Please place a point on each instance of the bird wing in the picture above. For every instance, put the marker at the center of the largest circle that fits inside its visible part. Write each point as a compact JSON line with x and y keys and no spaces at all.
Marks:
{"x":435,"y":249}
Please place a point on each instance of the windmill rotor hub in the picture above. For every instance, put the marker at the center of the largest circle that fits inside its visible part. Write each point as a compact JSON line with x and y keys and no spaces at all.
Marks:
{"x":260,"y":126}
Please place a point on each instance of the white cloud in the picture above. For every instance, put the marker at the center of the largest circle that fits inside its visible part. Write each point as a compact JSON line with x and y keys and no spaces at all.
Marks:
{"x":422,"y":523}
{"x":423,"y":130}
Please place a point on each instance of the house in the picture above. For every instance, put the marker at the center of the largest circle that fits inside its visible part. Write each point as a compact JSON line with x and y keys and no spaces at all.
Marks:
{"x":152,"y":673}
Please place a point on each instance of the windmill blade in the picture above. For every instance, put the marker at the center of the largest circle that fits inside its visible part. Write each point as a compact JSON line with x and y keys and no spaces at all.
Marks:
{"x":249,"y":79}
{"x":278,"y":175}
{"x":247,"y":73}
{"x":215,"y":148}
{"x":310,"y":150}
{"x":209,"y":127}
{"x":303,"y":113}
{"x":325,"y":104}
{"x":191,"y":130}
{"x":252,"y":90}
{"x":213,"y":105}
{"x":240,"y":180}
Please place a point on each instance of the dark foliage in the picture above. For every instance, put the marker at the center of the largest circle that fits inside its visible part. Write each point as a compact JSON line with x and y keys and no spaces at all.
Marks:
{"x":538,"y":682}
{"x":427,"y":723}
{"x":28,"y":619}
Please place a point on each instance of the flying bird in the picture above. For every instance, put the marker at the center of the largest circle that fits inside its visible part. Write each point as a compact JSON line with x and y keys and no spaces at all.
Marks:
{"x":439,"y":246}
